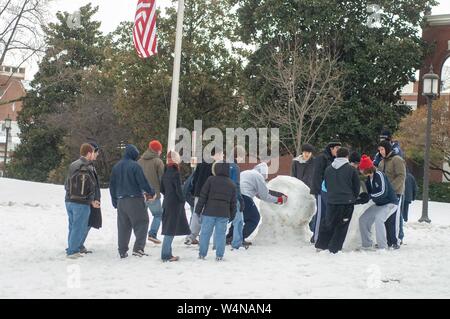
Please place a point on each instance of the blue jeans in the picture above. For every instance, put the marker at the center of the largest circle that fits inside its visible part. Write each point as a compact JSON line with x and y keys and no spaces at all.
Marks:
{"x":238,"y":228}
{"x":84,"y":237}
{"x":166,"y":251}
{"x":78,"y":224}
{"x":156,"y":210}
{"x":219,"y":226}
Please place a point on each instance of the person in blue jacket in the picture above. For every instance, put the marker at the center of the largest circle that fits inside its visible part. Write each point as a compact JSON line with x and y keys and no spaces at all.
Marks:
{"x":129,"y":190}
{"x":383,"y":195}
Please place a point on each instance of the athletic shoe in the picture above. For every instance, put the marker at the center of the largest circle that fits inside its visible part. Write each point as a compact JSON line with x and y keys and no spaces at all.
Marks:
{"x":83,"y":250}
{"x":139,"y":253}
{"x":154,"y":240}
{"x":122,"y":256}
{"x":74,"y":256}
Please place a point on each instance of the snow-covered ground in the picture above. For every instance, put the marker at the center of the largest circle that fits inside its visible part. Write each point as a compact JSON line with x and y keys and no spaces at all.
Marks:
{"x":33,"y":231}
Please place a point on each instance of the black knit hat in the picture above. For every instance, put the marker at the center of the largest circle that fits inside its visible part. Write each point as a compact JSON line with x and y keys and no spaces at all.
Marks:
{"x":354,"y":157}
{"x":385,"y":135}
{"x":333,"y":144}
{"x":386,"y":145}
{"x":307,"y":148}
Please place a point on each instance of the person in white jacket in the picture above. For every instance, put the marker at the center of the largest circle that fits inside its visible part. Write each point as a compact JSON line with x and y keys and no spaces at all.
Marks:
{"x":253,"y":183}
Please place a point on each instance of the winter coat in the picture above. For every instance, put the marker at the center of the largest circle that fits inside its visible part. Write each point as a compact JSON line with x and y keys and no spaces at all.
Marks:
{"x":153,"y":168}
{"x":174,"y":221}
{"x":342,"y":182}
{"x":320,"y":163}
{"x":303,"y":170}
{"x":253,"y":184}
{"x":395,"y":148}
{"x":201,"y":174}
{"x":187,"y":190}
{"x":235,"y":176}
{"x":127,"y":178}
{"x":218,"y":195}
{"x":95,"y":218}
{"x":410,"y":188}
{"x":74,"y":166}
{"x":381,"y":190}
{"x":395,"y":169}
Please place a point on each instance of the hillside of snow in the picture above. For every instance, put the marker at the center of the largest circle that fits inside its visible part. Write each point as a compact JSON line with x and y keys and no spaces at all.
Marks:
{"x":33,"y":235}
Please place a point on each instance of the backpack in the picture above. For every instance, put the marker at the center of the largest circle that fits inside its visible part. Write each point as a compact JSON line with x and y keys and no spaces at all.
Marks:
{"x":81,"y":184}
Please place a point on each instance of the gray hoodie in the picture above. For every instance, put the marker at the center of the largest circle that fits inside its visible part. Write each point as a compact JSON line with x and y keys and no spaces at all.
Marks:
{"x":253,"y":183}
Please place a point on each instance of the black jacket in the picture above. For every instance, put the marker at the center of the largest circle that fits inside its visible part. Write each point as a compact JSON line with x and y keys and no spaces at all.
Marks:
{"x":410,"y":188}
{"x":95,"y":218}
{"x":342,"y":183}
{"x":303,"y":170}
{"x":201,"y":174}
{"x":218,"y":195}
{"x":321,"y":162}
{"x":174,"y":221}
{"x":127,"y":177}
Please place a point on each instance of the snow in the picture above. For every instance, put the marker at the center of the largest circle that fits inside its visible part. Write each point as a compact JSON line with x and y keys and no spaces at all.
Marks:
{"x":33,"y":233}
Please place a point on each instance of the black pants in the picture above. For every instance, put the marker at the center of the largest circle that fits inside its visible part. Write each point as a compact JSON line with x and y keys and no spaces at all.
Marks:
{"x":251,"y":218}
{"x":333,"y":228}
{"x":392,"y":226}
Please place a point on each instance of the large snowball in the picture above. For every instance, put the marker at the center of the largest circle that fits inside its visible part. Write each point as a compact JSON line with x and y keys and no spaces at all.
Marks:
{"x":286,"y":223}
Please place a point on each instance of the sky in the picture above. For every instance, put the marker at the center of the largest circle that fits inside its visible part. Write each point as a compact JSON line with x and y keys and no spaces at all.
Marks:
{"x":112,"y":12}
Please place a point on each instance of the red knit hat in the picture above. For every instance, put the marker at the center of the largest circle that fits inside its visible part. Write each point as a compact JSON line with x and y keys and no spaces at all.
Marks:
{"x":365,"y":162}
{"x":155,"y":146}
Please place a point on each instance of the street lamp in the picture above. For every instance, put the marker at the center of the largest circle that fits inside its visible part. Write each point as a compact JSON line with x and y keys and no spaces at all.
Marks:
{"x":430,"y":91}
{"x":7,"y":127}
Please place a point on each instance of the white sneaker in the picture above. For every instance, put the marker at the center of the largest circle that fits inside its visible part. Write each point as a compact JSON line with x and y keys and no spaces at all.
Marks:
{"x":368,"y":248}
{"x":74,"y":256}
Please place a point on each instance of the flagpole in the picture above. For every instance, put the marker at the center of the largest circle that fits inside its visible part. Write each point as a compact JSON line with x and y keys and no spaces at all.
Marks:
{"x":176,"y":78}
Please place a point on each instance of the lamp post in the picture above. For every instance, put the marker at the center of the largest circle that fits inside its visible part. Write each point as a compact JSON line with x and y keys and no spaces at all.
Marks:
{"x":430,"y":91}
{"x":8,"y":128}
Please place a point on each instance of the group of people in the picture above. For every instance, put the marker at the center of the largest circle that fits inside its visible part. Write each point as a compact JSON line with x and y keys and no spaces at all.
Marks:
{"x":217,"y":192}
{"x":339,"y":180}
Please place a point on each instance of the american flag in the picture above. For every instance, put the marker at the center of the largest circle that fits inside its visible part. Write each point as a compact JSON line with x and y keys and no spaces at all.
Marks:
{"x":144,"y":32}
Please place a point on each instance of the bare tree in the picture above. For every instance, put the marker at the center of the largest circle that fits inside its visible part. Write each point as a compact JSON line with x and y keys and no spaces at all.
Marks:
{"x":20,"y":30}
{"x":309,"y":83}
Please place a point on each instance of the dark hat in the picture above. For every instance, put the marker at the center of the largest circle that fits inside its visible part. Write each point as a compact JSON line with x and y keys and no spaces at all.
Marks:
{"x":307,"y":148}
{"x":386,"y":135}
{"x":95,"y":146}
{"x":354,"y":157}
{"x":333,"y":144}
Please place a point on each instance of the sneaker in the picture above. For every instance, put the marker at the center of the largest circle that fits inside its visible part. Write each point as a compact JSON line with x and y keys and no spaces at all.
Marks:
{"x":174,"y":258}
{"x":395,"y":247}
{"x":194,"y":242}
{"x":201,"y":257}
{"x":154,"y":240}
{"x":122,"y":256}
{"x":401,"y":242}
{"x":312,"y":241}
{"x":83,"y":250}
{"x":188,"y":241}
{"x":139,"y":253}
{"x":74,"y":256}
{"x":219,"y":258}
{"x":247,"y":243}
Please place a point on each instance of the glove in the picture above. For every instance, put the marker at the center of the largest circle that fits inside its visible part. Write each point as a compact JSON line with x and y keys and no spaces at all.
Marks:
{"x":282,"y":199}
{"x":362,"y":199}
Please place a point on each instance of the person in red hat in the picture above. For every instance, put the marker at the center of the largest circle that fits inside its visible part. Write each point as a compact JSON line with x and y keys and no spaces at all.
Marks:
{"x":383,"y":195}
{"x":153,"y":168}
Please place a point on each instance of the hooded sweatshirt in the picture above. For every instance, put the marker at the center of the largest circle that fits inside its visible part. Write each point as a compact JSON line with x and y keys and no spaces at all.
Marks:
{"x":253,"y":183}
{"x":153,"y":168}
{"x":127,"y":177}
{"x":342,"y":182}
{"x":218,"y":194}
